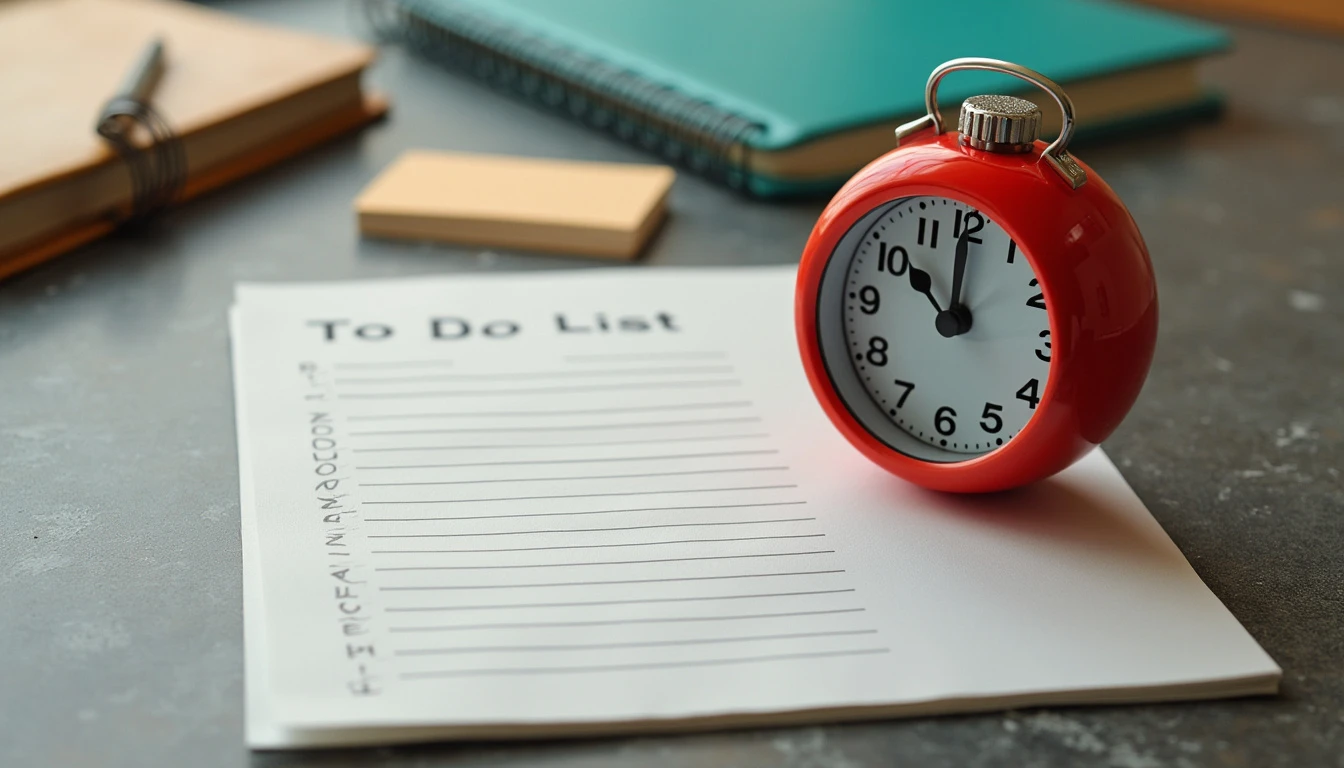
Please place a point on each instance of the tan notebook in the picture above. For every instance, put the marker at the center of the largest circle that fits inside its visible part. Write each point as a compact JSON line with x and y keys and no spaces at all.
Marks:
{"x":593,"y":209}
{"x":241,"y":95}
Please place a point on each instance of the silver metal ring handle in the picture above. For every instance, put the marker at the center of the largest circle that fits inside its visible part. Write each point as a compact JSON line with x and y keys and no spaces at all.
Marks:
{"x":1055,"y":154}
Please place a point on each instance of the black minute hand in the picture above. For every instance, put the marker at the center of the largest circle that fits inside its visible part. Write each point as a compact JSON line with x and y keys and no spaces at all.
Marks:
{"x":956,"y":319}
{"x":959,"y":268}
{"x":921,"y":282}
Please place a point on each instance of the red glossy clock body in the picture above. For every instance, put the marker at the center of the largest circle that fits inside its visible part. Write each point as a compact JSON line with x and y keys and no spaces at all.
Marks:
{"x":1093,"y":268}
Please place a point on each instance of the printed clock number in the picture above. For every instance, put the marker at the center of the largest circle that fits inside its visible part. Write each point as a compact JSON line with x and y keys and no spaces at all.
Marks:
{"x":871,"y":300}
{"x":973,"y":221}
{"x":886,"y":259}
{"x":1030,"y":392}
{"x":1037,"y":301}
{"x":877,"y":351}
{"x":1044,"y":354}
{"x":931,"y":228}
{"x":991,"y":415}
{"x":943,"y":421}
{"x":908,"y":386}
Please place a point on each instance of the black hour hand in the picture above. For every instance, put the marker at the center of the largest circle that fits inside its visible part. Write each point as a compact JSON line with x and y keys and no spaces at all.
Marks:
{"x":921,"y":282}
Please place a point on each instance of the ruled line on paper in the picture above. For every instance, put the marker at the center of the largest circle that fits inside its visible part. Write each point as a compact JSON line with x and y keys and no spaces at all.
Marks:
{"x":596,"y":460}
{"x":619,"y":622}
{"x":579,"y":477}
{"x":432,"y":588}
{"x":588,"y":512}
{"x":560,"y":428}
{"x":546,"y":390}
{"x":532,"y":375}
{"x":391,"y":364}
{"x":590,"y":530}
{"x":637,"y":601}
{"x":646,"y":356}
{"x":566,"y":412}
{"x":590,"y":546}
{"x":632,"y":667}
{"x":602,"y":563}
{"x":653,"y":441}
{"x":636,"y":644}
{"x":583,"y":495}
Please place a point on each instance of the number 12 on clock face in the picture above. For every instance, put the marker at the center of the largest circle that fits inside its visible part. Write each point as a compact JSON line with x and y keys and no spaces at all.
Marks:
{"x":946,"y":327}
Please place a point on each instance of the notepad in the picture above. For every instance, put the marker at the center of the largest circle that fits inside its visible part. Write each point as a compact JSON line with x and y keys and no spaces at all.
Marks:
{"x":557,"y":504}
{"x":586,"y":208}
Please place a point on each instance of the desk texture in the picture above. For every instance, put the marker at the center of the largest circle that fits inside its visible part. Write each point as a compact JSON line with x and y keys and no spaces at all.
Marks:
{"x":120,"y":572}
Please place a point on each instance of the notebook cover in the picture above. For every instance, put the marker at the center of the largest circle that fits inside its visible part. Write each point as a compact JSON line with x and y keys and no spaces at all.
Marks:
{"x":803,"y":70}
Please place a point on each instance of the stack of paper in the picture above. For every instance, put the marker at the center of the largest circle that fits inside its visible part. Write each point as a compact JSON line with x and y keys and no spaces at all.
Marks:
{"x":556,"y":504}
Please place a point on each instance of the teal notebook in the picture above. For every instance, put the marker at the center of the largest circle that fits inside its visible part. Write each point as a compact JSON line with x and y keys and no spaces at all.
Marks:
{"x":781,"y":97}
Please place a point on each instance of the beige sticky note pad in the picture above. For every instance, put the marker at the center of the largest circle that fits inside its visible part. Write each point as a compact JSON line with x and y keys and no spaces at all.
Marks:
{"x":596,"y":209}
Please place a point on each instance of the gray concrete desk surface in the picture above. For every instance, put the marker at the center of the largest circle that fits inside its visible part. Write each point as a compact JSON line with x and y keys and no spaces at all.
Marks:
{"x":120,"y":586}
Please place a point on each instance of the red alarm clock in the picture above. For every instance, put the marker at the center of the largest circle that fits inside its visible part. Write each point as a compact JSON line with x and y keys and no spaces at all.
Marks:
{"x":976,"y":310}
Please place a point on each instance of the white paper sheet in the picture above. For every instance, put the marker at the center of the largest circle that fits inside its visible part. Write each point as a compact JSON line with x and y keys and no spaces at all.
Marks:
{"x":596,"y":501}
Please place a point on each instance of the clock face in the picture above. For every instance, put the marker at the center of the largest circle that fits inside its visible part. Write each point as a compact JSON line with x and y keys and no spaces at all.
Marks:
{"x":945,"y":325}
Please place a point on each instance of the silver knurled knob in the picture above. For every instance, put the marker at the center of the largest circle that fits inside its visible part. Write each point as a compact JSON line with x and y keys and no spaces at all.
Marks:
{"x":999,"y":123}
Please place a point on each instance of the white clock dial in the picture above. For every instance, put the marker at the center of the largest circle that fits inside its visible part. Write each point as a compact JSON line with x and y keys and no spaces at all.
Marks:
{"x":960,"y":373}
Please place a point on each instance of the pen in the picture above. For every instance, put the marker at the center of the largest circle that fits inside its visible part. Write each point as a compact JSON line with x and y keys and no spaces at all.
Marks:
{"x":158,"y":166}
{"x":135,"y":90}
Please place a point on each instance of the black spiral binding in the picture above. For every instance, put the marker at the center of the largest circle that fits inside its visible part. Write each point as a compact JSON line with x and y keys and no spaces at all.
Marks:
{"x":158,"y":170}
{"x":686,"y":131}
